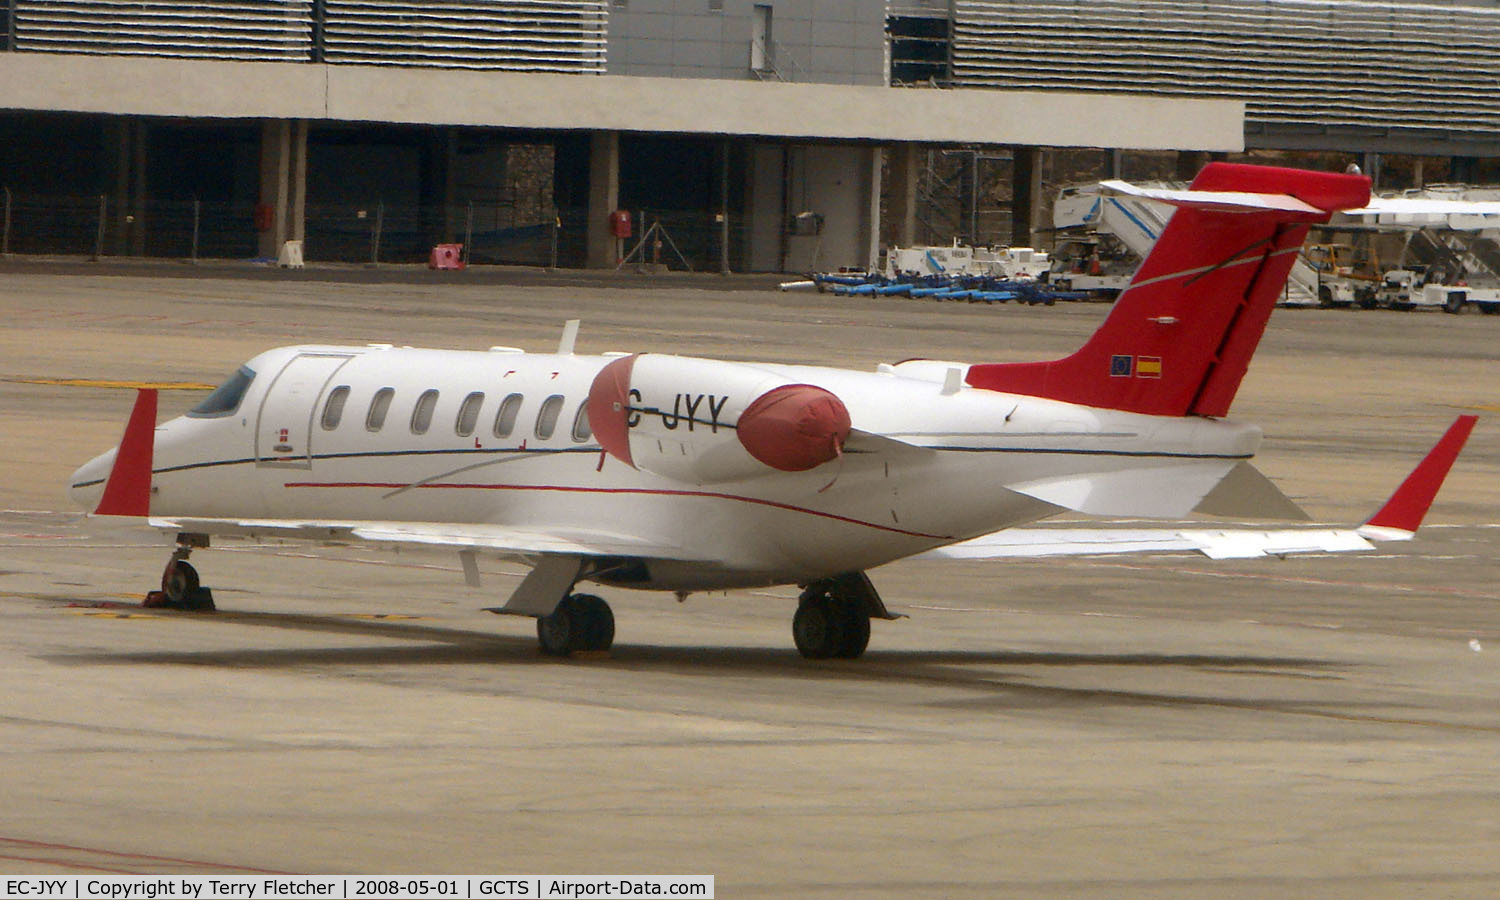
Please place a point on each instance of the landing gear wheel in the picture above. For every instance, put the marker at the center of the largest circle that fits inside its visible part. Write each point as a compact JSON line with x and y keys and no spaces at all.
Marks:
{"x":816,"y":630}
{"x":598,"y":620}
{"x":180,"y":589}
{"x":580,"y":622}
{"x":856,"y":628}
{"x":179,"y":581}
{"x":830,"y":626}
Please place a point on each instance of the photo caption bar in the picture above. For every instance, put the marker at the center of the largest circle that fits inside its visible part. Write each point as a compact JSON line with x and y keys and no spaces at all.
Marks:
{"x":353,"y":887}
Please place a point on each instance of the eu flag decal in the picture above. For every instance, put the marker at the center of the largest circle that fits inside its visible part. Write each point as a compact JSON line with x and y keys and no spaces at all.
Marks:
{"x":1148,"y":367}
{"x":1121,"y":365}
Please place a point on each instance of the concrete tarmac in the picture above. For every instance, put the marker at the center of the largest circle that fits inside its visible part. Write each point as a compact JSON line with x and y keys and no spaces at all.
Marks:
{"x":1151,"y":726}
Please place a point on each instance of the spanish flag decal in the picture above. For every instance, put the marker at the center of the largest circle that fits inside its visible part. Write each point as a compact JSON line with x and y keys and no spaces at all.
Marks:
{"x":1148,"y":367}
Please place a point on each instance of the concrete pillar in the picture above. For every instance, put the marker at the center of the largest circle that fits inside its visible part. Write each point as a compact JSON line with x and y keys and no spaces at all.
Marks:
{"x":275,"y":176}
{"x":296,"y":214}
{"x":903,"y":166}
{"x":869,"y":186}
{"x":604,"y":197}
{"x":283,"y":183}
{"x":1026,"y":195}
{"x":1371,"y":166}
{"x":1416,"y":173}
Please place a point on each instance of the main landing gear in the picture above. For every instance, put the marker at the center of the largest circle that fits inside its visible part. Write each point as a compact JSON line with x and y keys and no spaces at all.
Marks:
{"x":180,"y":586}
{"x":833,"y":617}
{"x":581,"y":622}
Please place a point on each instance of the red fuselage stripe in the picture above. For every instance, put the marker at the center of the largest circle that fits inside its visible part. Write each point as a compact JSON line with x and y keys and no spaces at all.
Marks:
{"x":708,"y":495}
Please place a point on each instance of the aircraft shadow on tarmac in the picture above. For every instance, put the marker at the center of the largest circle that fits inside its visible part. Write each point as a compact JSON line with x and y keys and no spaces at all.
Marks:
{"x":1009,"y":679}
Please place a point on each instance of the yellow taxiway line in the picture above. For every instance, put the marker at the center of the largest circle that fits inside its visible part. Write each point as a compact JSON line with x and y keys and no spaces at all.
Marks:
{"x":105,"y":383}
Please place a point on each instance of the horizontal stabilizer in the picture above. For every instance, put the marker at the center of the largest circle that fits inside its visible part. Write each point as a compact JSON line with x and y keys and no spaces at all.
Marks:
{"x":1421,"y":206}
{"x":1221,"y":201}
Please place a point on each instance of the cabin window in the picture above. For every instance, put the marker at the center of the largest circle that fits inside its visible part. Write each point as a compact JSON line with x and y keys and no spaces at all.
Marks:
{"x":581,"y":429}
{"x":333,"y":410}
{"x":380,"y":404}
{"x":505,"y":419}
{"x":421,"y":416}
{"x":468,"y":414}
{"x":546,"y":419}
{"x":226,"y":398}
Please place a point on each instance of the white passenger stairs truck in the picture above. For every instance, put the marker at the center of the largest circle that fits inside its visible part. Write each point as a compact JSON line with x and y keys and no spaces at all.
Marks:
{"x":1135,"y":221}
{"x":1301,"y":285}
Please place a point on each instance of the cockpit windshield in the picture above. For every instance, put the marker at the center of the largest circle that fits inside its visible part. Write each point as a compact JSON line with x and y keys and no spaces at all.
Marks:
{"x":226,"y":397}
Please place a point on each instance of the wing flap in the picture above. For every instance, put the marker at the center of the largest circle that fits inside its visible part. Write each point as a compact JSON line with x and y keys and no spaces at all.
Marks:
{"x":1215,"y":544}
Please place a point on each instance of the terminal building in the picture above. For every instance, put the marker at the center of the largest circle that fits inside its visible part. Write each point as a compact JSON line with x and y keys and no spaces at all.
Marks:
{"x":783,"y":135}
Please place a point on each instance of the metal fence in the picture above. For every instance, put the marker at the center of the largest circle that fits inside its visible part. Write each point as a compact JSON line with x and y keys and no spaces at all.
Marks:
{"x":373,"y":232}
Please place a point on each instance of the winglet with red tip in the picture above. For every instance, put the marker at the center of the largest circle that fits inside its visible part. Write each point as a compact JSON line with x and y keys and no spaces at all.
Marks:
{"x":128,"y":490}
{"x":1407,"y":507}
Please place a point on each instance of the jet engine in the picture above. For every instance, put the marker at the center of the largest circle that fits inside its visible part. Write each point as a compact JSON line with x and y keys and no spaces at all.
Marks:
{"x":705,"y":421}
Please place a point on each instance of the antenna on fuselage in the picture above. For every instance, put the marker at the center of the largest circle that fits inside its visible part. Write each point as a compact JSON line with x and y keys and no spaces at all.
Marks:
{"x":569,"y":337}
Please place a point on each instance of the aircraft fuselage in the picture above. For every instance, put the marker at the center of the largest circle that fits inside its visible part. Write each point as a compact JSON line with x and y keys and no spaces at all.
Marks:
{"x":388,"y":434}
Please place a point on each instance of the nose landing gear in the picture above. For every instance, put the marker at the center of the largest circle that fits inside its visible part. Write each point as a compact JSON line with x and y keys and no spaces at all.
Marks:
{"x":180,"y":586}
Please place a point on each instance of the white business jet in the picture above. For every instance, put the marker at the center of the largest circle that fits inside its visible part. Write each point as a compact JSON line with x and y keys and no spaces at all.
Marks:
{"x":681,"y":474}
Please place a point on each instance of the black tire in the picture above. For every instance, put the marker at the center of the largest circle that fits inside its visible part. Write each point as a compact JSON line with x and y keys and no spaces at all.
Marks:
{"x":580,"y":622}
{"x":595,"y":620}
{"x":1457,"y":300}
{"x":1325,"y":297}
{"x":855,"y":628}
{"x":557,"y":634}
{"x":817,"y":629}
{"x":179,"y":581}
{"x":1489,"y":309}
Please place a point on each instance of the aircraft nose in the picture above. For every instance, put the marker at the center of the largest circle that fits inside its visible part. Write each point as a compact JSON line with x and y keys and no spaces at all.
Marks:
{"x":86,"y":485}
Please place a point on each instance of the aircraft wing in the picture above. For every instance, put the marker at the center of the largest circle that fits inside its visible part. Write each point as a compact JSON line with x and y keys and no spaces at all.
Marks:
{"x":1397,"y":520}
{"x":493,"y":538}
{"x":1215,"y":544}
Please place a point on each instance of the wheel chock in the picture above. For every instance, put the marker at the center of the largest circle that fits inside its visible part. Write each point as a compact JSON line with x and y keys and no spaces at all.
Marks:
{"x":200,"y":600}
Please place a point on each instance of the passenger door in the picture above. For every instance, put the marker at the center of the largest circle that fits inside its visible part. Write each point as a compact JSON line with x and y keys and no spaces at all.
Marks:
{"x":284,"y":427}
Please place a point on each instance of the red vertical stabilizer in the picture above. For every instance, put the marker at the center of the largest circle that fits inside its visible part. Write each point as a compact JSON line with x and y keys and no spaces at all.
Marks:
{"x":128,"y":490}
{"x":1180,"y":338}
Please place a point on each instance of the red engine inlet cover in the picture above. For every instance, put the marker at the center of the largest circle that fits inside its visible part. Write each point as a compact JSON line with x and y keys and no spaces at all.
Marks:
{"x":609,"y":408}
{"x":795,"y":427}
